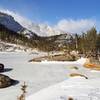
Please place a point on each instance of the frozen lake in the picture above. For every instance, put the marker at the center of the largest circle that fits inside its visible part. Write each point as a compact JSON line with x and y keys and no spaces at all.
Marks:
{"x":36,"y":75}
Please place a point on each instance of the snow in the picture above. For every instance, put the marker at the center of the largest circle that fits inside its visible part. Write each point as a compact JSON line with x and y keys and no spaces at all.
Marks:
{"x":77,"y":88}
{"x":48,"y":80}
{"x":16,"y":22}
{"x":9,"y":47}
{"x":81,"y":61}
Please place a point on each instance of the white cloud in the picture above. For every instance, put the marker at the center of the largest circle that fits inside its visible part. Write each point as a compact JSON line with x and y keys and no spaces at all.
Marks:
{"x":66,"y":25}
{"x":22,"y":20}
{"x":75,"y":26}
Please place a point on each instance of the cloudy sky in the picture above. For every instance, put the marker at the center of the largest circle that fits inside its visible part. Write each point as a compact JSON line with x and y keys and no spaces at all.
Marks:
{"x":67,"y":15}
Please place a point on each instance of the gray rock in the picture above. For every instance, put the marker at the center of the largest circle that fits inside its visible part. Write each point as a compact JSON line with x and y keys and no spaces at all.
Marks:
{"x":1,"y":67}
{"x":6,"y":81}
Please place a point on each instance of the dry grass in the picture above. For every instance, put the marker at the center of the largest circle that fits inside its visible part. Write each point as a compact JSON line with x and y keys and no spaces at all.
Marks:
{"x":92,"y":66}
{"x":22,"y":96}
{"x":74,"y":67}
{"x":76,"y":74}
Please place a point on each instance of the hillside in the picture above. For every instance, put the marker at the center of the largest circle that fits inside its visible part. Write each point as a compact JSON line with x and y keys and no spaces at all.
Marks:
{"x":13,"y":31}
{"x":7,"y":35}
{"x":9,"y":22}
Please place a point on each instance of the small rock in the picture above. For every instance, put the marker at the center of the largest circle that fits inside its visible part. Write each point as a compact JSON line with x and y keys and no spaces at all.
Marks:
{"x":70,"y":98}
{"x":74,"y":67}
{"x":1,"y":67}
{"x":6,"y":81}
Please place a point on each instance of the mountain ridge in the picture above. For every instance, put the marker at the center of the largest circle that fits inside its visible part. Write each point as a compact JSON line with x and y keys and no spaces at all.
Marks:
{"x":25,"y":36}
{"x":40,"y":29}
{"x":9,"y":22}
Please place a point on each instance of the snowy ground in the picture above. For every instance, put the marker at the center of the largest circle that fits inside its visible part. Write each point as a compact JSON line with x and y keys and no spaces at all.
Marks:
{"x":77,"y":88}
{"x":39,"y":76}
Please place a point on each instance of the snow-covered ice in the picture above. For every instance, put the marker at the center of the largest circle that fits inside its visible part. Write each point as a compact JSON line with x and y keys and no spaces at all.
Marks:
{"x":48,"y":80}
{"x":78,"y":88}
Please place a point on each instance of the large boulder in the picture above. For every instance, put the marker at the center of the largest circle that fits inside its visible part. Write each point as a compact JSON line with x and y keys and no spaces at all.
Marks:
{"x":1,"y":67}
{"x":6,"y":81}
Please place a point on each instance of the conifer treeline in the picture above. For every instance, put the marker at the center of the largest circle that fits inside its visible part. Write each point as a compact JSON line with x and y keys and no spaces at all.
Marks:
{"x":84,"y":43}
{"x":88,"y":41}
{"x":7,"y":35}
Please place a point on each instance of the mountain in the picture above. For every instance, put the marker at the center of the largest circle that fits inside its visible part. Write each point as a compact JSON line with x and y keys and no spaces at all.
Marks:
{"x":9,"y":22}
{"x":31,"y":34}
{"x":20,"y":22}
{"x":43,"y":29}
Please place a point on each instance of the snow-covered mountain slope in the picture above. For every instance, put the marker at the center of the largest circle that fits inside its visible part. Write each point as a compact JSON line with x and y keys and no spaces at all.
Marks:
{"x":9,"y":22}
{"x":17,"y":23}
{"x":49,"y":31}
{"x":37,"y":32}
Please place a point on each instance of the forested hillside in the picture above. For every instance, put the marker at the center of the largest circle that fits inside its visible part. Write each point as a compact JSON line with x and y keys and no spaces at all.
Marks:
{"x":10,"y":36}
{"x":88,"y":41}
{"x":84,"y":43}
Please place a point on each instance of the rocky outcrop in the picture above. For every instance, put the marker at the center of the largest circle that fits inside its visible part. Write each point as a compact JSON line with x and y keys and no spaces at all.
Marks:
{"x":59,"y":57}
{"x":1,"y":67}
{"x":76,"y":74}
{"x":6,"y":81}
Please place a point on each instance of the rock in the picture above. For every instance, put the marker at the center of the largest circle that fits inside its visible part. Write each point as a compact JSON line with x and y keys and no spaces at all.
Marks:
{"x":6,"y":81}
{"x":76,"y":74}
{"x":70,"y":98}
{"x":1,"y":67}
{"x":74,"y":67}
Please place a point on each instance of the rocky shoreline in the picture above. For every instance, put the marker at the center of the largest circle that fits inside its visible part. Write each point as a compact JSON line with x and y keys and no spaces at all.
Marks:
{"x":59,"y":57}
